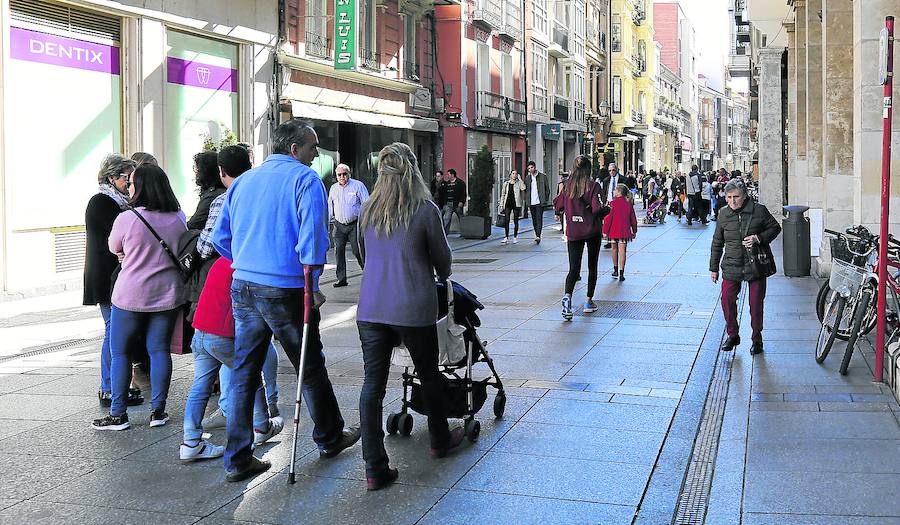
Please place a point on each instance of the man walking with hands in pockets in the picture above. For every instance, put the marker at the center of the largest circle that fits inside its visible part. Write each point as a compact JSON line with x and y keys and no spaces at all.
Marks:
{"x":345,"y":199}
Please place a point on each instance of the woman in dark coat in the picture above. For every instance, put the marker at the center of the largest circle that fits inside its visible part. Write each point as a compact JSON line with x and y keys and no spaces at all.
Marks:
{"x":206,"y":171}
{"x":99,"y":263}
{"x":741,"y":225}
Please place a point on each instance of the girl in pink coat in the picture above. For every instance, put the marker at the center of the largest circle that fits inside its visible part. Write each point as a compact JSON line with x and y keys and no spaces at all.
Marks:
{"x":620,"y":227}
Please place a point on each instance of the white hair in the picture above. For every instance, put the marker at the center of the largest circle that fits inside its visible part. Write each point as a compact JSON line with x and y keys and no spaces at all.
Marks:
{"x":344,"y":166}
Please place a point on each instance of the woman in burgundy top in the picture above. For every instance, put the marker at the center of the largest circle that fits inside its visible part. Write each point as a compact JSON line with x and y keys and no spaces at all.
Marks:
{"x":579,"y":203}
{"x":620,"y":227}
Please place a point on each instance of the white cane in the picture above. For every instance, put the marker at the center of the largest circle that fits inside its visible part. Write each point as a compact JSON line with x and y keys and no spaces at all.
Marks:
{"x":307,"y":313}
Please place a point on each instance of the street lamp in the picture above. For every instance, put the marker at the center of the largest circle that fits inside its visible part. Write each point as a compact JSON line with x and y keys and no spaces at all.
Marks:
{"x":603,"y":110}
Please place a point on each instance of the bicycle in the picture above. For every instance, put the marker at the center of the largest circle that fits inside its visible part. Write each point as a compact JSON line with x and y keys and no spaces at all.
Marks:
{"x":847,"y":250}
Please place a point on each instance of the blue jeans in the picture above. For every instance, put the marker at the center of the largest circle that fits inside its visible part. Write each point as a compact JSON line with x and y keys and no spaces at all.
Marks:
{"x":105,"y":355}
{"x":378,"y":342}
{"x":210,"y":353}
{"x":125,"y":329}
{"x":270,"y":380}
{"x":259,"y":312}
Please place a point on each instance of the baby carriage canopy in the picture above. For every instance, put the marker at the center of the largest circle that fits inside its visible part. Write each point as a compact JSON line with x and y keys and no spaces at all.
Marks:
{"x":465,"y":305}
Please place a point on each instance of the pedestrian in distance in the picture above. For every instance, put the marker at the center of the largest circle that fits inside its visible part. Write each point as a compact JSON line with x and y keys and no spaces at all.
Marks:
{"x":451,"y":198}
{"x":512,"y":198}
{"x":273,"y":223}
{"x":706,"y":197}
{"x":742,"y":228}
{"x":147,"y":294}
{"x":345,"y":199}
{"x":583,"y":212}
{"x":405,"y":246}
{"x":537,"y":196}
{"x":100,"y":264}
{"x":608,"y":187}
{"x":620,"y":227}
{"x":206,"y":176}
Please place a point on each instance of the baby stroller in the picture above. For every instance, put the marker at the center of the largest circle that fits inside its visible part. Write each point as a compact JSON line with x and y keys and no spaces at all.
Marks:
{"x":656,"y":212}
{"x":464,"y":395}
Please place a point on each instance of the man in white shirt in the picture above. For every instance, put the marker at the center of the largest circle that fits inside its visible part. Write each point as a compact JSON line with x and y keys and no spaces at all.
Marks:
{"x":608,"y":186}
{"x":345,"y":199}
{"x":537,"y":196}
{"x":693,"y":190}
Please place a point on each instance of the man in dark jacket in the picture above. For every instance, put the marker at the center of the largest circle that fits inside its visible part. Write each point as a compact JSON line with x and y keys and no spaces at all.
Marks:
{"x":451,"y":197}
{"x":693,"y":190}
{"x":742,"y":228}
{"x":537,"y":196}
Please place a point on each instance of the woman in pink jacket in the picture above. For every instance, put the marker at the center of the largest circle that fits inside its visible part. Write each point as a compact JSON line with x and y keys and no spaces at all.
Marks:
{"x":620,"y":227}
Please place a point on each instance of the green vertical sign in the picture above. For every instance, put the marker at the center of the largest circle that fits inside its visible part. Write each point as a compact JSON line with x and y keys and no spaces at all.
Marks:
{"x":345,"y":34}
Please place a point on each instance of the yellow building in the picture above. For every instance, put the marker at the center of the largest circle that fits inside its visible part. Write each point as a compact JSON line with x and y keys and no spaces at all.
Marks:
{"x":634,"y":68}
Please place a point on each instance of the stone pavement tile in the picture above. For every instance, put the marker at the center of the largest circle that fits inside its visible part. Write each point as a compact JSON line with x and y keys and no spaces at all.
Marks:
{"x":774,"y":426}
{"x":784,"y":406}
{"x":852,"y":494}
{"x":677,"y":321}
{"x":492,"y":318}
{"x":826,"y":455}
{"x":597,"y":372}
{"x":666,"y":393}
{"x":873,"y":398}
{"x":464,"y":507}
{"x":44,"y":512}
{"x":725,"y":497}
{"x":767,"y":397}
{"x":24,"y":476}
{"x":43,"y":369}
{"x":606,"y":415}
{"x":804,"y":335}
{"x":675,"y":453}
{"x":491,"y":334}
{"x":179,"y":489}
{"x":849,"y":389}
{"x":599,"y":397}
{"x":645,"y":400}
{"x":7,"y":502}
{"x":776,"y":388}
{"x":573,"y":479}
{"x":555,"y":385}
{"x":520,"y":367}
{"x":755,"y":518}
{"x":549,"y":440}
{"x":642,"y":383}
{"x":858,"y":407}
{"x":618,"y":389}
{"x":599,"y":326}
{"x":40,"y":407}
{"x":73,"y":385}
{"x":218,"y":520}
{"x":553,"y":337}
{"x":829,"y":398}
{"x":14,"y":382}
{"x":668,"y":335}
{"x":570,"y":353}
{"x":661,"y":496}
{"x":730,"y":455}
{"x":610,"y":351}
{"x":11,"y":427}
{"x":330,"y":500}
{"x":527,"y":390}
{"x":78,"y":439}
{"x":793,"y":374}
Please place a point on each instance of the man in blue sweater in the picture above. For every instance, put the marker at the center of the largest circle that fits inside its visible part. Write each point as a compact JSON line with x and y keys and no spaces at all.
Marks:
{"x":273,"y":222}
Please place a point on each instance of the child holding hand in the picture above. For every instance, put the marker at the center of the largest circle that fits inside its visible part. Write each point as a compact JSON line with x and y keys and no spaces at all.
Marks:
{"x":620,"y":227}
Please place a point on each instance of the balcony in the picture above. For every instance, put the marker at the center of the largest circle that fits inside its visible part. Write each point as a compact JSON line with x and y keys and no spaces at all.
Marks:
{"x":370,"y":60}
{"x":499,"y":113}
{"x":578,"y":113}
{"x":488,"y":14}
{"x":638,"y":15}
{"x":637,"y":116}
{"x":739,"y":65}
{"x":317,"y":46}
{"x":561,"y":109}
{"x":740,"y":11}
{"x":743,"y":33}
{"x":559,"y":45}
{"x":411,"y":71}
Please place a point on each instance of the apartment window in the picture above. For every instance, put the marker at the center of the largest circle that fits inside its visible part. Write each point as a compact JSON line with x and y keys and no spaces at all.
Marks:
{"x":617,"y":94}
{"x":539,"y":16}
{"x":578,"y":23}
{"x":512,"y":15}
{"x":506,"y":74}
{"x":317,"y":17}
{"x":366,"y":24}
{"x":483,"y":67}
{"x":539,"y":79}
{"x":616,"y":36}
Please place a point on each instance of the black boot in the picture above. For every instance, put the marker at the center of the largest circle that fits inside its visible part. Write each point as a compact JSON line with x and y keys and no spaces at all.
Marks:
{"x":730,"y":343}
{"x":757,"y":348}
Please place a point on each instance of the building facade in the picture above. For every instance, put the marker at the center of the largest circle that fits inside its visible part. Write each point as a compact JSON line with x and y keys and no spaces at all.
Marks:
{"x":136,"y":79}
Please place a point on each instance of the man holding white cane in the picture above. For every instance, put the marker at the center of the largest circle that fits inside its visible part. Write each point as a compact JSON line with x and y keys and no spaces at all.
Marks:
{"x":272,"y":225}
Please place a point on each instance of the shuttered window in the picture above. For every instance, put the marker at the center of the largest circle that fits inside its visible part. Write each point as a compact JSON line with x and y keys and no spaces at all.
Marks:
{"x":66,"y":20}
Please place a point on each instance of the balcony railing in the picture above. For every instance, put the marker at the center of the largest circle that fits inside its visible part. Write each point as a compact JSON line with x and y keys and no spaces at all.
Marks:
{"x":500,"y":113}
{"x":637,"y":116}
{"x":317,"y":45}
{"x":578,"y":113}
{"x":370,"y":59}
{"x":559,"y":45}
{"x":561,"y":109}
{"x":411,"y":71}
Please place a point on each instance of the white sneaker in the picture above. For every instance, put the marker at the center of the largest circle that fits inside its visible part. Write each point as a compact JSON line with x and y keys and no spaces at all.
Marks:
{"x":567,"y":308}
{"x":504,"y":240}
{"x":515,"y":240}
{"x":276,"y":425}
{"x":203,"y":450}
{"x":214,"y":420}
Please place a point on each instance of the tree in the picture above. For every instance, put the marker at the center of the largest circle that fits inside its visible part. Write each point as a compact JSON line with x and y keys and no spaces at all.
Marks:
{"x":481,"y":182}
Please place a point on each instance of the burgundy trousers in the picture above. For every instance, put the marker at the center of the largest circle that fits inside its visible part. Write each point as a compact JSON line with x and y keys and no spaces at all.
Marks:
{"x":730,"y":291}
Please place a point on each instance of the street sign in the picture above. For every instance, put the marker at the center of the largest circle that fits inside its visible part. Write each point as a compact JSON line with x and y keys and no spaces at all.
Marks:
{"x":883,"y":56}
{"x":344,"y":34}
{"x":551,"y":131}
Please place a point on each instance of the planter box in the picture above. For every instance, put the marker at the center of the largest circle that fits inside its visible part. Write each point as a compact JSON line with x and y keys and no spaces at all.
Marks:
{"x":471,"y":227}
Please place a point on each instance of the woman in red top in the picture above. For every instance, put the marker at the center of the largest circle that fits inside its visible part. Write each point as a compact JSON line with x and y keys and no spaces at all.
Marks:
{"x":620,"y":227}
{"x":579,"y":203}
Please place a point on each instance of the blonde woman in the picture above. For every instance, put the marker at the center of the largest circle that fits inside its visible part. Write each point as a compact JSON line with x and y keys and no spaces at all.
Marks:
{"x":512,"y":195}
{"x":404,"y":246}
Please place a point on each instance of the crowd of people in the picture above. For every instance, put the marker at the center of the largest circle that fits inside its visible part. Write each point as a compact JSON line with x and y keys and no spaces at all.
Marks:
{"x":153,"y":271}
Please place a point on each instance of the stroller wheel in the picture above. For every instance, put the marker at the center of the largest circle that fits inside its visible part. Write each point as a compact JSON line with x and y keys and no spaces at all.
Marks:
{"x":499,"y":404}
{"x":473,"y":429}
{"x":405,"y":424}
{"x":391,"y":425}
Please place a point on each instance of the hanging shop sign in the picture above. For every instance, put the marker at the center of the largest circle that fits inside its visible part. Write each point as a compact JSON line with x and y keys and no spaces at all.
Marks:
{"x":551,"y":131}
{"x":345,"y":34}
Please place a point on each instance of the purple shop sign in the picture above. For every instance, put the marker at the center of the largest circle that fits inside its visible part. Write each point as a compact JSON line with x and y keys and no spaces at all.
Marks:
{"x":66,"y":52}
{"x":197,"y":74}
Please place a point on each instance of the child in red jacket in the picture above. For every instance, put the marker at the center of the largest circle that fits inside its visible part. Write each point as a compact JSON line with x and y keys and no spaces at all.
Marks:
{"x":620,"y":227}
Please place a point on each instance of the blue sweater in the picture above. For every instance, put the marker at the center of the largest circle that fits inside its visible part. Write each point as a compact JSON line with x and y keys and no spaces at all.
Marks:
{"x":274,"y":220}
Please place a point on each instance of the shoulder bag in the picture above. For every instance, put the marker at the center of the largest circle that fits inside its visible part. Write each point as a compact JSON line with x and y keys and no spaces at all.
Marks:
{"x":183,"y":271}
{"x":450,"y":336}
{"x":761,"y":262}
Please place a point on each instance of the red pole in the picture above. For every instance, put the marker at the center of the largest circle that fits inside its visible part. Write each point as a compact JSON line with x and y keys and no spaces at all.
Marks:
{"x":885,"y":200}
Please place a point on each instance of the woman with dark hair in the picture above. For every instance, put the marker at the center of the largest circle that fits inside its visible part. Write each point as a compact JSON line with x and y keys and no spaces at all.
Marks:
{"x":147,"y":293}
{"x":579,"y":202}
{"x":103,"y":208}
{"x":206,"y":175}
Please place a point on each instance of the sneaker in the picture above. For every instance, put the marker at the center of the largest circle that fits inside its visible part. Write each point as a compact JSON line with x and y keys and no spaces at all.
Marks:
{"x":615,"y":273}
{"x":254,"y":466}
{"x":382,"y":480}
{"x":202,"y":450}
{"x":537,"y":240}
{"x":158,"y":418}
{"x":567,"y":308}
{"x":214,"y":420}
{"x":621,"y":276}
{"x":111,"y":422}
{"x":590,"y":307}
{"x":515,"y":240}
{"x":276,"y":425}
{"x":456,"y":437}
{"x":504,"y":240}
{"x":349,"y":437}
{"x":105,"y":399}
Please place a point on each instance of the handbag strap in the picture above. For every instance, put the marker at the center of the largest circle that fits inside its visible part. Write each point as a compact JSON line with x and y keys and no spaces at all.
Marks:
{"x":451,"y":315}
{"x":159,"y":239}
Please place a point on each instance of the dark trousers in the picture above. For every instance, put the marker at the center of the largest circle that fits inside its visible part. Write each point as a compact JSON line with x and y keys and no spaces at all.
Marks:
{"x":344,"y":233}
{"x":259,"y":312}
{"x":576,"y":251}
{"x":730,"y":291}
{"x":537,"y":219}
{"x":511,"y":213}
{"x":378,"y":341}
{"x":696,"y":208}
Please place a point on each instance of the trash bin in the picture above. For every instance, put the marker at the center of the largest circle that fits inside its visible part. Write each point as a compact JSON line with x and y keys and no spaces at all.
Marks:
{"x":795,"y":238}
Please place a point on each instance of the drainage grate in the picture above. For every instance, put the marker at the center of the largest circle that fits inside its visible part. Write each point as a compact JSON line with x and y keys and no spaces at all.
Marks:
{"x":473,"y":261}
{"x":641,"y":311}
{"x":694,"y":498}
{"x":50,"y":348}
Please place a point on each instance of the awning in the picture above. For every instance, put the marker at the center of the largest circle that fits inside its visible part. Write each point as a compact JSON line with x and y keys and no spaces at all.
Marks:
{"x":309,"y":110}
{"x":625,"y":138}
{"x":643,"y":132}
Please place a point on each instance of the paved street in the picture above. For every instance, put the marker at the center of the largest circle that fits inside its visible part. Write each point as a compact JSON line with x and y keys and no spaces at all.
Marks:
{"x":627,"y":415}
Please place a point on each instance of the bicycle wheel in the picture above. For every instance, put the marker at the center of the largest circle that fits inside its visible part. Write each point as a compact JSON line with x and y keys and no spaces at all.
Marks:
{"x":825,"y":296}
{"x":856,"y":328}
{"x":822,"y":300}
{"x":835,"y":312}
